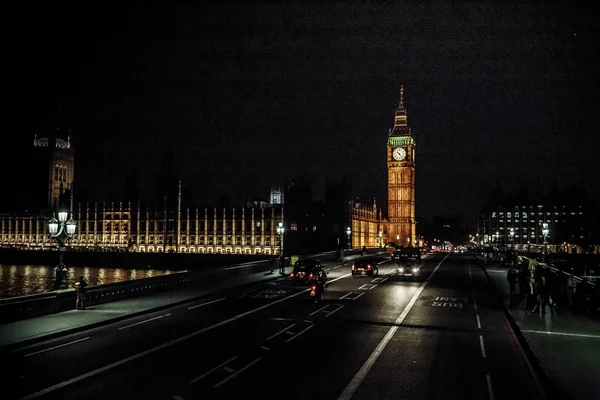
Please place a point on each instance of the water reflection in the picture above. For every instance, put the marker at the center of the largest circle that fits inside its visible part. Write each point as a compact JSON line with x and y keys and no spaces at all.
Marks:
{"x":21,"y":280}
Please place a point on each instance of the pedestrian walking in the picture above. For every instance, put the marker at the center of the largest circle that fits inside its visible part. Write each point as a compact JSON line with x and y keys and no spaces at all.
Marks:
{"x":80,"y":287}
{"x":512,"y":277}
{"x":282,"y":264}
{"x":571,"y":286}
{"x":543,"y":295}
{"x":584,"y":291}
{"x":531,"y":295}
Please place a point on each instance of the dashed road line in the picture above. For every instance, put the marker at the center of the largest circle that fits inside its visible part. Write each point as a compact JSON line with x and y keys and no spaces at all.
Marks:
{"x":207,"y":303}
{"x":319,"y":310}
{"x":238,"y":372}
{"x":482,"y":346}
{"x":142,"y":322}
{"x":212,"y":370}
{"x":488,"y":378}
{"x":478,"y":321}
{"x":280,"y":332}
{"x":299,"y":333}
{"x":56,"y":347}
{"x":334,"y":311}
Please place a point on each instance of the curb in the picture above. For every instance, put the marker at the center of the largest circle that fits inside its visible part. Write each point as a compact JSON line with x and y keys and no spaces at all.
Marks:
{"x":533,"y":359}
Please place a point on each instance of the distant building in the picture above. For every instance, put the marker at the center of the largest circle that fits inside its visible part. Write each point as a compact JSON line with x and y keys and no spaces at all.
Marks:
{"x":52,"y":170}
{"x":571,"y":214}
{"x":172,"y":225}
{"x":154,"y":228}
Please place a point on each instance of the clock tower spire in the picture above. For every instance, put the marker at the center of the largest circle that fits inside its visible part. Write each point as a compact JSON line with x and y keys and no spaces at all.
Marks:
{"x":401,"y":179}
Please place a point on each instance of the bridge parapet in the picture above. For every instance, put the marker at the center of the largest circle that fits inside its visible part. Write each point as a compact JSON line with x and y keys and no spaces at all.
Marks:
{"x":23,"y":307}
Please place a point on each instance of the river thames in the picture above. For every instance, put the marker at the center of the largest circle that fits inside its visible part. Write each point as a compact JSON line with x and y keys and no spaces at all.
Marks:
{"x":22,"y":280}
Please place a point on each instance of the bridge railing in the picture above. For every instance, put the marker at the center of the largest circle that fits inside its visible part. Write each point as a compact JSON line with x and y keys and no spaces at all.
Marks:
{"x":23,"y":307}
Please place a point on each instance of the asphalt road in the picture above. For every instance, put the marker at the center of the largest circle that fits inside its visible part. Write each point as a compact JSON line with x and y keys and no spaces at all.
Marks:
{"x":440,"y":335}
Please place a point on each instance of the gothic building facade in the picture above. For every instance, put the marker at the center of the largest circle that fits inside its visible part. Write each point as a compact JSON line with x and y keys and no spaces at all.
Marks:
{"x":340,"y":221}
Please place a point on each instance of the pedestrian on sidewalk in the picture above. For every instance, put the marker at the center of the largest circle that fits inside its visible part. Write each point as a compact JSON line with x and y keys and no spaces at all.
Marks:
{"x":80,"y":287}
{"x":584,"y":291}
{"x":511,"y":276}
{"x":571,"y":286}
{"x":543,"y":295}
{"x":282,"y":264}
{"x":531,"y":294}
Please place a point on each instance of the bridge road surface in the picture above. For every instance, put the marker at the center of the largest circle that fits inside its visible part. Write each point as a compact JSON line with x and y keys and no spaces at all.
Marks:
{"x":441,"y":335}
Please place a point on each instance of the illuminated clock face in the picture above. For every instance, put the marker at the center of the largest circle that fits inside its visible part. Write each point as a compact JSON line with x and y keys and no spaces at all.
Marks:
{"x":399,"y":154}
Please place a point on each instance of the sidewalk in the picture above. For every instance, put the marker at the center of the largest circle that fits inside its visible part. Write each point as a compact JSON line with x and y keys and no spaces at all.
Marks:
{"x":44,"y":327}
{"x":564,"y":342}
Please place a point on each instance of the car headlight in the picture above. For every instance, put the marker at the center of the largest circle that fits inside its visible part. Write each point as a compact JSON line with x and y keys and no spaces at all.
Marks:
{"x":415,"y":269}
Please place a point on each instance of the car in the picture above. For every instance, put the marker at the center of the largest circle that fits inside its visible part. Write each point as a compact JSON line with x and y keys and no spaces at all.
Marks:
{"x":408,"y":268}
{"x":407,"y":252}
{"x":307,"y":269}
{"x":366,"y":266}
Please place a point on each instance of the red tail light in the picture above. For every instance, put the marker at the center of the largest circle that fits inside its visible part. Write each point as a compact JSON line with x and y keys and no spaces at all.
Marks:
{"x":314,"y":288}
{"x":368,"y":266}
{"x":311,"y":275}
{"x":292,"y":275}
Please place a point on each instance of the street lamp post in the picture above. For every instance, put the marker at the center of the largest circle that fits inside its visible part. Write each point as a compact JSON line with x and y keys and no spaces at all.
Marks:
{"x":280,"y":230}
{"x":61,"y":230}
{"x":348,"y":232}
{"x":545,"y":232}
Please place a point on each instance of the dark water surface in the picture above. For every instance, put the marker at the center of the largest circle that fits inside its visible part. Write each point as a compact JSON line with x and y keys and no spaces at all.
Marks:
{"x":21,"y":280}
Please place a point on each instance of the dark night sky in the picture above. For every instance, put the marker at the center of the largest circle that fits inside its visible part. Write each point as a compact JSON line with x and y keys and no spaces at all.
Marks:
{"x":247,"y":94}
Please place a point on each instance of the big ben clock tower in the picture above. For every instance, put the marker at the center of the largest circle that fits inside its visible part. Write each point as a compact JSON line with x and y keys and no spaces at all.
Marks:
{"x":401,"y":179}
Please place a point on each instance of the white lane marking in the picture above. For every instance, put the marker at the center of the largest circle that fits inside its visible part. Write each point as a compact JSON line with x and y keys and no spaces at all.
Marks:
{"x":178,"y":398}
{"x":166,"y":315}
{"x":333,"y":311}
{"x":238,"y":372}
{"x":475,"y":303}
{"x":290,"y":333}
{"x":562,"y":333}
{"x":299,"y":333}
{"x":346,"y":295}
{"x":280,"y":332}
{"x":360,"y":294}
{"x":56,"y":347}
{"x":478,"y":321}
{"x":212,"y":370}
{"x":367,"y":286}
{"x":364,"y":370}
{"x":141,"y":322}
{"x":482,"y":346}
{"x":207,"y":303}
{"x":265,"y":348}
{"x":162,"y":346}
{"x":488,"y":378}
{"x":229,"y":369}
{"x":319,"y":310}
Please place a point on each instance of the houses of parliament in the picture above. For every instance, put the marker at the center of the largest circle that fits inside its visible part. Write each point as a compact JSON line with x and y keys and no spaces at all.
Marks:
{"x":171,"y":226}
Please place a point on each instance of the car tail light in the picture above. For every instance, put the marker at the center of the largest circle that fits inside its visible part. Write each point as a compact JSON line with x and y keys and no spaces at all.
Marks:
{"x":292,"y":275}
{"x":314,"y":288}
{"x":311,"y":275}
{"x":368,"y":266}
